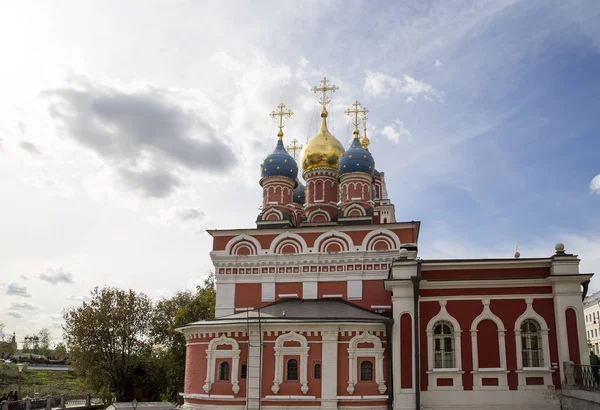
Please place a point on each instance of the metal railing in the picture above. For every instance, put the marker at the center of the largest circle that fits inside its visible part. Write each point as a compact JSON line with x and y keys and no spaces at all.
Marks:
{"x":585,"y":377}
{"x":52,"y":402}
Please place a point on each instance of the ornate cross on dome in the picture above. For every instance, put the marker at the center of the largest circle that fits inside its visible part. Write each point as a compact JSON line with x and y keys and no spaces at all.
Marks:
{"x":326,"y":89}
{"x":294,"y":147}
{"x":355,"y":111}
{"x":365,"y":141}
{"x":282,"y":111}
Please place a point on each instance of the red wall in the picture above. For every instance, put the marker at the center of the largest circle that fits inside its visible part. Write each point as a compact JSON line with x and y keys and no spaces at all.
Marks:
{"x":487,"y":344}
{"x":572,"y":335}
{"x":406,"y":351}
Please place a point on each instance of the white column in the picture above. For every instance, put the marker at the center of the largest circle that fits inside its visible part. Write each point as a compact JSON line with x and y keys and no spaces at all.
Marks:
{"x":253,"y":370}
{"x":329,"y":369}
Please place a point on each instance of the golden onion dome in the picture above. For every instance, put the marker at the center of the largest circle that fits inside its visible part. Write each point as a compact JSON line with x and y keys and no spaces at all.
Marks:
{"x":323,"y":150}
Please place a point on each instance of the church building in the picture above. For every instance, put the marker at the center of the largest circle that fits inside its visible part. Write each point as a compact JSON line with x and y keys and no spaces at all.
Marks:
{"x":326,"y":304}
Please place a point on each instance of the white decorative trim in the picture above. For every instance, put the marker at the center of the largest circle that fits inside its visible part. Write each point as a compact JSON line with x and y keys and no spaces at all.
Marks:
{"x":318,"y":211}
{"x":275,"y":243}
{"x":324,"y":239}
{"x":272,"y":211}
{"x":479,"y":373}
{"x":240,"y":239}
{"x":522,"y":372}
{"x":281,"y":351}
{"x":212,"y":354}
{"x":383,"y":232}
{"x":359,"y":208}
{"x":355,"y":352}
{"x":456,"y":373}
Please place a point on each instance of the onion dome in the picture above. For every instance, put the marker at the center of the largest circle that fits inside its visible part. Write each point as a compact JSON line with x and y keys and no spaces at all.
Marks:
{"x":279,"y":163}
{"x":357,"y":159}
{"x":323,"y":150}
{"x":299,"y":194}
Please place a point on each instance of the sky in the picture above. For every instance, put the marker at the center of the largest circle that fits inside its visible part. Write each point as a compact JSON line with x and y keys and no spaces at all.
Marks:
{"x":128,"y":128}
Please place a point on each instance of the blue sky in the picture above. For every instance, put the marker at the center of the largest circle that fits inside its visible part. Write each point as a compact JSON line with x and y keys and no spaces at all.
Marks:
{"x":131,"y":127}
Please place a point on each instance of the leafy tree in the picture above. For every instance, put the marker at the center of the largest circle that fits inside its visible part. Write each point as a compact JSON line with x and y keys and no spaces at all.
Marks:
{"x":169,"y":352}
{"x":60,"y":351}
{"x":107,"y":338}
{"x":43,"y":338}
{"x":26,"y":345}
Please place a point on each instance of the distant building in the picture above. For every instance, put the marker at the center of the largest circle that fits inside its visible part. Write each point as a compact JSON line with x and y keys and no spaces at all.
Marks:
{"x":325,"y":304}
{"x":8,"y":347}
{"x":591,"y":314}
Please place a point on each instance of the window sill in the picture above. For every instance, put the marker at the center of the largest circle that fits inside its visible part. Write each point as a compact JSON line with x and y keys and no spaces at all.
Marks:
{"x":441,"y":371}
{"x":534,"y":370}
{"x":490,"y":370}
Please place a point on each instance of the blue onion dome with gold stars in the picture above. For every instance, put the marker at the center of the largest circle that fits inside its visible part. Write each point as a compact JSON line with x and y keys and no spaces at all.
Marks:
{"x":356,"y":159}
{"x":299,"y":195}
{"x":279,"y":163}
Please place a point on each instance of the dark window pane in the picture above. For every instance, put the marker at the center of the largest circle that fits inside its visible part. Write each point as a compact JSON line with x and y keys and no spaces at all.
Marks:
{"x":244,"y":371}
{"x":224,"y":371}
{"x":317,"y":372}
{"x":292,"y":369}
{"x":366,"y":371}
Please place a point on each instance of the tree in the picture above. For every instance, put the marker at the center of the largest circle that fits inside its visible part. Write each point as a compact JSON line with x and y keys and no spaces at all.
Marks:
{"x":107,"y":338}
{"x":43,"y":338}
{"x":169,"y":352}
{"x":60,"y":351}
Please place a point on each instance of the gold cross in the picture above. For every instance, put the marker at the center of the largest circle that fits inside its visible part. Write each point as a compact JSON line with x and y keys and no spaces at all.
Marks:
{"x":325,"y":89}
{"x":294,"y":147}
{"x":283,"y":112}
{"x":355,"y":112}
{"x":365,"y":141}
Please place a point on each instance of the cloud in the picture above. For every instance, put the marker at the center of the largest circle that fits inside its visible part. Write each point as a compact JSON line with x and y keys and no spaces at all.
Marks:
{"x":56,"y":276}
{"x":595,"y":185}
{"x":377,"y":84}
{"x":15,"y":315}
{"x":13,"y":289}
{"x":396,"y":131}
{"x":141,"y":132}
{"x":29,"y":147}
{"x":80,"y":298}
{"x":153,"y":183}
{"x":437,"y":64}
{"x":23,"y":277}
{"x":189,"y":214}
{"x":22,"y":306}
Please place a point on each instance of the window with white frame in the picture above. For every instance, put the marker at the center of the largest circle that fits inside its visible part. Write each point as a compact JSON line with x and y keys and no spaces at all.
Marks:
{"x":443,"y":345}
{"x":531,"y":344}
{"x":366,"y":371}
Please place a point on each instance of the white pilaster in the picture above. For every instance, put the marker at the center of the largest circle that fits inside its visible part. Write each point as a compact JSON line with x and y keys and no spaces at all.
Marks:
{"x":329,"y":369}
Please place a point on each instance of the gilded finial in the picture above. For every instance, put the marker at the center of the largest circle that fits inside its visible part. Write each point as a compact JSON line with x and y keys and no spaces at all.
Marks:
{"x":365,"y":141}
{"x":327,"y":90}
{"x":282,"y":111}
{"x":517,"y":253}
{"x":355,"y":111}
{"x":294,"y":147}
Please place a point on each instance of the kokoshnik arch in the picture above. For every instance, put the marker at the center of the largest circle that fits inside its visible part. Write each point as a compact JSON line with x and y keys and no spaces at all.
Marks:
{"x":325,"y":304}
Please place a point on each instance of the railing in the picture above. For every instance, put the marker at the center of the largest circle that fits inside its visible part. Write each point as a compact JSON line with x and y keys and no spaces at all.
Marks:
{"x":49,"y":402}
{"x":582,"y":376}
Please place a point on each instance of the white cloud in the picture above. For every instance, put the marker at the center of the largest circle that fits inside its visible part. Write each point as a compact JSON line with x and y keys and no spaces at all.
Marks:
{"x":396,"y":131}
{"x":438,"y":64}
{"x":595,"y":185}
{"x":377,"y":84}
{"x":56,"y":276}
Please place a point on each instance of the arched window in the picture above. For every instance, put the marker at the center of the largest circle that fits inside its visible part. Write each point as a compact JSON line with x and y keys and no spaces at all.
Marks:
{"x":244,"y":371}
{"x":366,"y":371}
{"x":531,"y":340}
{"x":292,"y":370}
{"x":224,"y":371}
{"x":317,"y":371}
{"x":443,"y":345}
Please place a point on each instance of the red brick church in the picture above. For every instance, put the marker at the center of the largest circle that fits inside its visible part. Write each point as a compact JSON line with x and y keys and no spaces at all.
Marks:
{"x":326,"y":305}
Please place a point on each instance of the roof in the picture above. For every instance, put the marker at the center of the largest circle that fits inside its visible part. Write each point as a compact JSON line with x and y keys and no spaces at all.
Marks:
{"x":592,"y":299}
{"x":301,"y":310}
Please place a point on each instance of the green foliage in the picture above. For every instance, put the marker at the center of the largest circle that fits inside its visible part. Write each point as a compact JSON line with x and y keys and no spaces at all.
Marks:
{"x":107,"y":338}
{"x":60,"y":351}
{"x":169,"y":352}
{"x":43,"y":382}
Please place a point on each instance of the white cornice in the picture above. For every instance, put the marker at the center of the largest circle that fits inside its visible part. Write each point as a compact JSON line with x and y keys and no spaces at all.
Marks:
{"x":484,"y":283}
{"x":486,"y":264}
{"x":311,"y":229}
{"x":301,"y":277}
